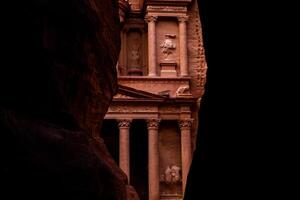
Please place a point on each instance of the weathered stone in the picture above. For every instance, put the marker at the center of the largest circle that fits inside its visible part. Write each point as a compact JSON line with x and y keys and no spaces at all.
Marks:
{"x":56,"y":85}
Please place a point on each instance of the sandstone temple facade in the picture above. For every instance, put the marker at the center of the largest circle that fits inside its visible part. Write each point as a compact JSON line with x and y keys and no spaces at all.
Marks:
{"x":151,"y":126}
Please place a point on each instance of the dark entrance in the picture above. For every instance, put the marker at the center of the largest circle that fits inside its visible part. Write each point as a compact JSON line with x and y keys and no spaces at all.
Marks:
{"x":139,"y":158}
{"x":110,"y":135}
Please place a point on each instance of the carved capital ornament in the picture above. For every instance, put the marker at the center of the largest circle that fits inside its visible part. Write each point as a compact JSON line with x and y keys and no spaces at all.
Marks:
{"x":124,"y":123}
{"x":185,"y":123}
{"x":153,"y":123}
{"x":151,"y":18}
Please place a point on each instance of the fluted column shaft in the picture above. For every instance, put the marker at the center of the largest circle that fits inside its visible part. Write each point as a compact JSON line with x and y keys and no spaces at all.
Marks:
{"x":153,"y":159}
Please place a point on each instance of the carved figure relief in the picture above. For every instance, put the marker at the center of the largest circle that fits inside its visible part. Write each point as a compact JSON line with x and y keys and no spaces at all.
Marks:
{"x":168,"y":46}
{"x":171,"y":175}
{"x":134,"y":64}
{"x":134,"y":57}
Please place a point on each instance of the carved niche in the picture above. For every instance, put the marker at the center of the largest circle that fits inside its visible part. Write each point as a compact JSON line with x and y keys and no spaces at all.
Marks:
{"x":134,"y":53}
{"x":167,"y":47}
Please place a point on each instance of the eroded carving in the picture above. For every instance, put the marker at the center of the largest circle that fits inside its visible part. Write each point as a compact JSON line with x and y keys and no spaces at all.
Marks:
{"x":185,"y":123}
{"x":182,"y":18}
{"x":151,"y":18}
{"x":168,"y":46}
{"x":153,"y":123}
{"x":128,"y":109}
{"x":134,"y":53}
{"x":172,"y":175}
{"x":183,"y":90}
{"x":124,"y":123}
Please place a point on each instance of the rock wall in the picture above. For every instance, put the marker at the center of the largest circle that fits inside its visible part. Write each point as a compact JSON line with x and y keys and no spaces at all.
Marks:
{"x":57,"y":80}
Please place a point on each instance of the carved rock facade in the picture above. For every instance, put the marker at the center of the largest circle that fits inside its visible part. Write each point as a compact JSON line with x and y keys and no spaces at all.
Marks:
{"x":162,"y":71}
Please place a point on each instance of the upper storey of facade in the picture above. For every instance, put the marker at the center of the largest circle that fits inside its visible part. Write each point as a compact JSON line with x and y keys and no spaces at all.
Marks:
{"x":162,"y":45}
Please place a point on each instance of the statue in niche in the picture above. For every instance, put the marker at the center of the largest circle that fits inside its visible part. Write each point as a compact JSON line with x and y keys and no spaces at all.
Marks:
{"x":168,"y":46}
{"x":134,"y":56}
{"x":134,"y":66}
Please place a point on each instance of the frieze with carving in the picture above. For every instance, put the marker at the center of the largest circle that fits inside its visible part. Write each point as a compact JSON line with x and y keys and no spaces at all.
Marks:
{"x":128,"y":109}
{"x":182,"y":9}
{"x":169,"y":109}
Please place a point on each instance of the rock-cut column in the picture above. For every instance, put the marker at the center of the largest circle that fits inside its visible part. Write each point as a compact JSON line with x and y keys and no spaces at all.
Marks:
{"x":124,"y":146}
{"x":183,"y":46}
{"x":151,"y":45}
{"x":186,"y":148}
{"x":153,"y":159}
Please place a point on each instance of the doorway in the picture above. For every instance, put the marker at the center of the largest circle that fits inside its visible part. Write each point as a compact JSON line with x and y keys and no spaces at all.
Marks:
{"x":139,"y":157}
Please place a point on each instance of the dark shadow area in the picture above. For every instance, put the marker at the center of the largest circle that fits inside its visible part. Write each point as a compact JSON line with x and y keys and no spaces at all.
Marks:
{"x":139,"y":157}
{"x":198,"y":179}
{"x":110,"y":135}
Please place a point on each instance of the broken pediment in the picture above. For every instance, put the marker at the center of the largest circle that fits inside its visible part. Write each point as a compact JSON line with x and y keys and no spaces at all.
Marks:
{"x":125,"y":92}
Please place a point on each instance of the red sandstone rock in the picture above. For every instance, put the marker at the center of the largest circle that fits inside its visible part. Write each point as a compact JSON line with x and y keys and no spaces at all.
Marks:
{"x":55,"y":88}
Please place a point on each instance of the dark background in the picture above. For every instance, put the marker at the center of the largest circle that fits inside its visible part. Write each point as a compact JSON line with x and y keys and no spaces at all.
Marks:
{"x":243,"y":147}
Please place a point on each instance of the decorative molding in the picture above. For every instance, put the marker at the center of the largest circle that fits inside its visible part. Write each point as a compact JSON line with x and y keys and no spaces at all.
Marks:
{"x":153,"y":123}
{"x":153,"y":81}
{"x":124,"y":123}
{"x":185,"y":123}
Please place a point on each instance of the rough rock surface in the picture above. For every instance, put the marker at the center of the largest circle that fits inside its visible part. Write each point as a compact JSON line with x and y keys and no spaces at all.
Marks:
{"x":57,"y":79}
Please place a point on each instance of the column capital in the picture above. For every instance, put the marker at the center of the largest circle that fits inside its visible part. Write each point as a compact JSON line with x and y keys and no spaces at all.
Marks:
{"x":185,"y":123}
{"x":182,"y":18}
{"x":124,"y":123}
{"x":151,"y":18}
{"x":153,"y":123}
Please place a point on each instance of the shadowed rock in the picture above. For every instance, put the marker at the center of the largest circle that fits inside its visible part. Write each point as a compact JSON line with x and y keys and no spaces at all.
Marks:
{"x":55,"y":87}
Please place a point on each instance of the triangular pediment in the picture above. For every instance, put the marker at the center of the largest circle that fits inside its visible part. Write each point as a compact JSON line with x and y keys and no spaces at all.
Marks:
{"x":125,"y":92}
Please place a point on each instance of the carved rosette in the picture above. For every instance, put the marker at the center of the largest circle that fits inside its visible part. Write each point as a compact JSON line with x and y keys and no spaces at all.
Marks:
{"x":185,"y":123}
{"x":124,"y":123}
{"x":183,"y":18}
{"x":151,"y":18}
{"x":153,"y":123}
